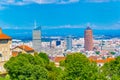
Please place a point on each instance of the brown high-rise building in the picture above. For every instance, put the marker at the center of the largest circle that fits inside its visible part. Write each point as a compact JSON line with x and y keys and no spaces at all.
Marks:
{"x":88,"y":39}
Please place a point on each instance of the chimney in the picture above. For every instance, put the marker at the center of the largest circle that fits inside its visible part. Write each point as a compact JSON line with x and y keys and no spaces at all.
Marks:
{"x":0,"y":30}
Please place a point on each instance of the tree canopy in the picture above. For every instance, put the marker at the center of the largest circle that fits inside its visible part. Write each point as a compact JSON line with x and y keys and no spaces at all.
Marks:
{"x":112,"y":69}
{"x":26,"y":66}
{"x":78,"y":67}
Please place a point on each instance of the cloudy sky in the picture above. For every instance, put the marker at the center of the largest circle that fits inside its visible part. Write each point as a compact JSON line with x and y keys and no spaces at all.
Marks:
{"x":50,"y":14}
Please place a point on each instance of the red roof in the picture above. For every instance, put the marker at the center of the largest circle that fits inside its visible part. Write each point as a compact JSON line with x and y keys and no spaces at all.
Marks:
{"x":4,"y":36}
{"x":58,"y":59}
{"x":102,"y":60}
{"x":26,"y":48}
{"x":15,"y":53}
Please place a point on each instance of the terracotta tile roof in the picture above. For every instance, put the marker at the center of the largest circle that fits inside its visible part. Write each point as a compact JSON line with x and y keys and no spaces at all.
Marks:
{"x":93,"y":57}
{"x":4,"y":36}
{"x":58,"y":59}
{"x":15,"y":53}
{"x":26,"y":48}
{"x":102,"y":60}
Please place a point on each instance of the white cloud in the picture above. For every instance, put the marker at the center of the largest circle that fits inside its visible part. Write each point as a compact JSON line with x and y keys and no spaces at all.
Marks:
{"x":5,"y":3}
{"x":67,"y":1}
{"x":63,"y":27}
{"x":101,"y":1}
{"x":23,"y":2}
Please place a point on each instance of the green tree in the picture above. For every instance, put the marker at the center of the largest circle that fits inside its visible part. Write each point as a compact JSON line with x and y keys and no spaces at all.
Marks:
{"x":44,"y":56}
{"x":112,"y":69}
{"x":113,"y":53}
{"x":54,"y":72}
{"x":7,"y":77}
{"x":26,"y":66}
{"x":78,"y":67}
{"x":97,"y":52}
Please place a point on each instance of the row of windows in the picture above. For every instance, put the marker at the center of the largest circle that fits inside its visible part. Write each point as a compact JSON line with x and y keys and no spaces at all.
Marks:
{"x":3,"y":41}
{"x":4,"y":48}
{"x":4,"y":58}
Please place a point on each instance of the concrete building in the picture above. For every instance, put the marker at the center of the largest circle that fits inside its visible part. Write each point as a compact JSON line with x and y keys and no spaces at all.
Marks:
{"x":37,"y":39}
{"x":5,"y":49}
{"x":88,"y":38}
{"x":69,"y":42}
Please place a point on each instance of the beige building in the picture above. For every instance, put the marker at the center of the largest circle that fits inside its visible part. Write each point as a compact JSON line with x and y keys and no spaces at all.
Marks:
{"x":5,"y":49}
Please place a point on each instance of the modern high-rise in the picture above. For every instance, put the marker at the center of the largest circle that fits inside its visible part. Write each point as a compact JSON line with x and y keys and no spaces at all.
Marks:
{"x":37,"y":39}
{"x":88,"y":39}
{"x":69,"y":42}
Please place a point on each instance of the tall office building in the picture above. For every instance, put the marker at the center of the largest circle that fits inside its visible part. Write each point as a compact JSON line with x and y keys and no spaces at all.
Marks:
{"x":88,"y":39}
{"x":69,"y":42}
{"x":37,"y":38}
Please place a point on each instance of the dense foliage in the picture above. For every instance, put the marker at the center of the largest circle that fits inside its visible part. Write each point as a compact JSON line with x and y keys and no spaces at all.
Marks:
{"x":76,"y":66}
{"x":112,"y":69}
{"x":26,"y":66}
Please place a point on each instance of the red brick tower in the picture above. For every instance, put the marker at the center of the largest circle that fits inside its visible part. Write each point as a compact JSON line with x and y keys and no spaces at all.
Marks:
{"x":88,"y":39}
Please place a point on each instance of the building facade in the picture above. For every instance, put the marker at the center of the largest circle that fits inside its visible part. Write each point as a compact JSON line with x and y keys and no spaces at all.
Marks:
{"x":69,"y":42}
{"x":37,"y":39}
{"x":88,"y":39}
{"x":5,"y":49}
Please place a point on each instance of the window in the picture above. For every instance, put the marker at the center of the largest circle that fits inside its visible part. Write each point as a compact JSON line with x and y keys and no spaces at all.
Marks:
{"x":2,"y":58}
{"x":3,"y":41}
{"x":0,"y":54}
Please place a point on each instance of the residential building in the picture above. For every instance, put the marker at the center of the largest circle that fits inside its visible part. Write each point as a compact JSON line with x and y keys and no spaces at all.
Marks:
{"x":5,"y":49}
{"x":22,"y":49}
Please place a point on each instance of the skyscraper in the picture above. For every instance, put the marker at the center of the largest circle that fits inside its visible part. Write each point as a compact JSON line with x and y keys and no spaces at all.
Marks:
{"x":69,"y":42}
{"x":88,"y":39}
{"x":37,"y":38}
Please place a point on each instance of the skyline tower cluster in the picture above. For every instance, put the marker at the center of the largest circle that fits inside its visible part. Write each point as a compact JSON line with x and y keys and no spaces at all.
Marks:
{"x":88,"y":39}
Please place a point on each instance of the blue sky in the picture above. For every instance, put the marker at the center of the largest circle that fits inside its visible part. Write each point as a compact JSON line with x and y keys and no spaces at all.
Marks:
{"x":52,"y":14}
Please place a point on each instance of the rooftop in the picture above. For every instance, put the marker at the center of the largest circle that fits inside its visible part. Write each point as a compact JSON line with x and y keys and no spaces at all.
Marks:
{"x":26,"y":48}
{"x":101,"y":60}
{"x":58,"y":59}
{"x":4,"y":36}
{"x":88,"y":28}
{"x":38,"y":28}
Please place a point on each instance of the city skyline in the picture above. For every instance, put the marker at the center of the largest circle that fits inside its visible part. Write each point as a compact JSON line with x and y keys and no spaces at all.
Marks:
{"x":52,"y":14}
